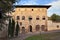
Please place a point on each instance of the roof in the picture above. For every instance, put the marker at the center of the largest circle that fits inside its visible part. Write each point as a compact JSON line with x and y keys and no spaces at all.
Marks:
{"x":33,"y":6}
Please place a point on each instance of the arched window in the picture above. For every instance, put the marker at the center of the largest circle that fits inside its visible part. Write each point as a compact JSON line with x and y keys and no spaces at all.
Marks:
{"x":30,"y":28}
{"x":37,"y":27}
{"x":23,"y":17}
{"x":30,"y":18}
{"x":43,"y":27}
{"x":18,"y":17}
{"x":23,"y":29}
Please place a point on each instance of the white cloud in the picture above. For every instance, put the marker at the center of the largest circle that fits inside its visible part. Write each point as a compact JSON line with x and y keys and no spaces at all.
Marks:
{"x":55,"y":8}
{"x":55,"y":3}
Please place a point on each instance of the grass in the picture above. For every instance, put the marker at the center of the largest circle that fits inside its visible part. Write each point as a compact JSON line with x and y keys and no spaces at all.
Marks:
{"x":48,"y":36}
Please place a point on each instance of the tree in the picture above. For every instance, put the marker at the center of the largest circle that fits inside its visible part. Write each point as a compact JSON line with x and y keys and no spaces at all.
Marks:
{"x":6,"y":5}
{"x":9,"y":28}
{"x":12,"y":28}
{"x":55,"y":18}
{"x":17,"y":29}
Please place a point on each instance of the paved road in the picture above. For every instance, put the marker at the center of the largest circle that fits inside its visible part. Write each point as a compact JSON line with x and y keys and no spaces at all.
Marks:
{"x":23,"y":36}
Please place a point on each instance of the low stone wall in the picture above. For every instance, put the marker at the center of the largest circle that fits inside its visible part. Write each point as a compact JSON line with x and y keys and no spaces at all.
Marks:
{"x":53,"y":25}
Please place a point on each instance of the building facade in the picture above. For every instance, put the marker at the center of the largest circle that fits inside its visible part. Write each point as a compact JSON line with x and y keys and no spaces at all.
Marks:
{"x":31,"y":18}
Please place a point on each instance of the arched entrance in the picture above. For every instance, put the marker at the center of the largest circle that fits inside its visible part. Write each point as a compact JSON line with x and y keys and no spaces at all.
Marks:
{"x":37,"y":27}
{"x":30,"y":28}
{"x":23,"y":29}
{"x":43,"y":27}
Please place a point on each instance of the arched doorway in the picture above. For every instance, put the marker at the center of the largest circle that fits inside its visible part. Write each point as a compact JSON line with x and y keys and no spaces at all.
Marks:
{"x":43,"y":27}
{"x":23,"y":29}
{"x":37,"y":27}
{"x":30,"y":28}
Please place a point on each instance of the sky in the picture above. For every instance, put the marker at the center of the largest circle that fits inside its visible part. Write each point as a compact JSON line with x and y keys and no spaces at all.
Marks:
{"x":55,"y":5}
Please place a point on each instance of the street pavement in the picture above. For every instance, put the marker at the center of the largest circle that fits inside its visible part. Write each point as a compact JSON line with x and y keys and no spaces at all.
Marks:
{"x":24,"y":36}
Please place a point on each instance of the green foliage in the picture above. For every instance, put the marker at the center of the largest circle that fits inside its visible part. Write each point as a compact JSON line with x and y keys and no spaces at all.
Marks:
{"x":6,"y":5}
{"x":17,"y":29}
{"x":55,"y":17}
{"x":11,"y":28}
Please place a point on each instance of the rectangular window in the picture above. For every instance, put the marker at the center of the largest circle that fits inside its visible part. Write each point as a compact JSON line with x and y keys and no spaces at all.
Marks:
{"x":37,"y":18}
{"x":43,"y":18}
{"x":30,"y":18}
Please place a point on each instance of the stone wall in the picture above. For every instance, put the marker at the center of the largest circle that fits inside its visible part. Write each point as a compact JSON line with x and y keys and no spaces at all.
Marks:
{"x":53,"y":25}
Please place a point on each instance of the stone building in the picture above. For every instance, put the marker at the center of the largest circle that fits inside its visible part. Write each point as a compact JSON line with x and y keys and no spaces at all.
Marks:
{"x":31,"y":18}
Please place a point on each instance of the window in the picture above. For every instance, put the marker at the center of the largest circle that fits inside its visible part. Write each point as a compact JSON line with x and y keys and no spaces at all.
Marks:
{"x":32,"y":9}
{"x":57,"y":26}
{"x":43,"y":27}
{"x":37,"y":18}
{"x":20,"y":23}
{"x":18,"y":18}
{"x":23,"y":30}
{"x":37,"y":27}
{"x":23,"y":17}
{"x":43,"y":18}
{"x":30,"y":28}
{"x":30,"y":18}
